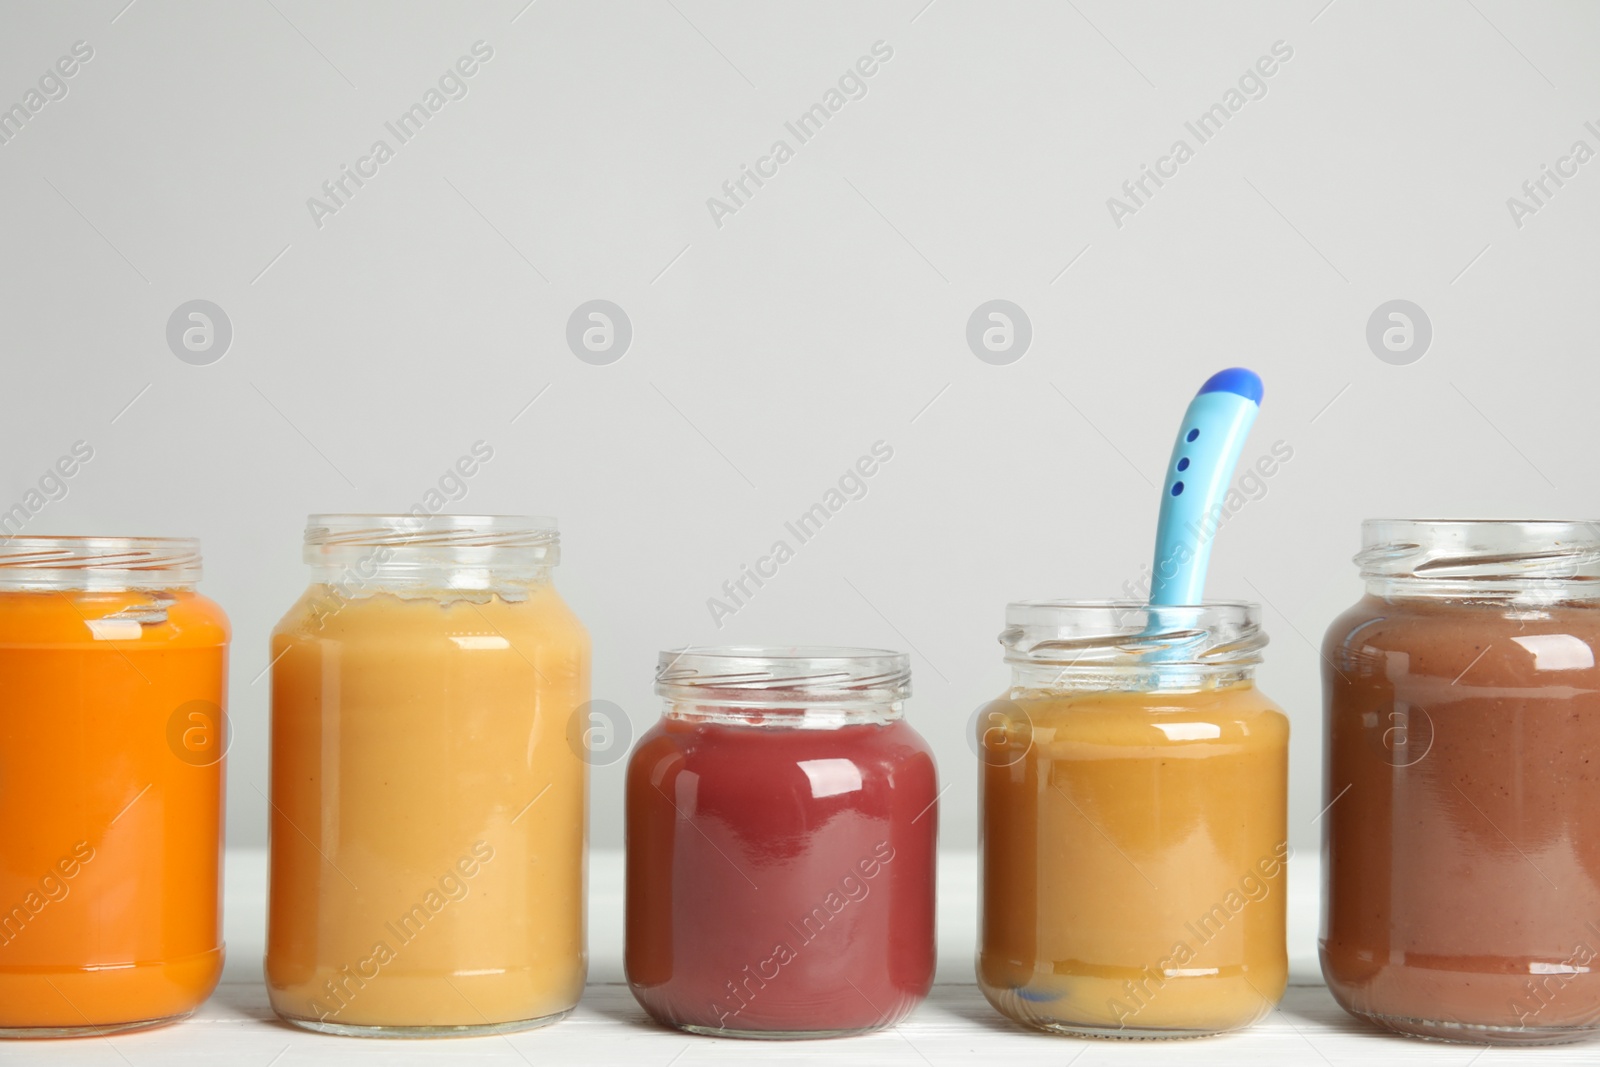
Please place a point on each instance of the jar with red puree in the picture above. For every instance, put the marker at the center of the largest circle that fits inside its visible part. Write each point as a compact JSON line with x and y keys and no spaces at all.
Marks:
{"x":1462,"y":832}
{"x":781,"y":830}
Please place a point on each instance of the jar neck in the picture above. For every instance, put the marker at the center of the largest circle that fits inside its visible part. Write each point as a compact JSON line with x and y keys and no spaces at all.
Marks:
{"x":99,"y":564}
{"x":795,"y":687}
{"x":1131,"y":646}
{"x":455,"y":556}
{"x":1143,"y":678}
{"x":795,"y":715}
{"x":1534,"y":562}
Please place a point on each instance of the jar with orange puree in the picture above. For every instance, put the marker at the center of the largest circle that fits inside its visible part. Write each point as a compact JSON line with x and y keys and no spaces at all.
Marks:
{"x":428,"y":781}
{"x":112,"y":734}
{"x":1133,"y":784}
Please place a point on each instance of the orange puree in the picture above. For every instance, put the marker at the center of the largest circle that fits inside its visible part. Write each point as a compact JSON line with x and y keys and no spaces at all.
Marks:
{"x":111,"y":743}
{"x":1133,"y":854}
{"x":428,"y":811}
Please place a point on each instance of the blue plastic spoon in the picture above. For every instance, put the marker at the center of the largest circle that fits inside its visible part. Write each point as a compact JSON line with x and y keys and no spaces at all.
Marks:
{"x":1203,"y":459}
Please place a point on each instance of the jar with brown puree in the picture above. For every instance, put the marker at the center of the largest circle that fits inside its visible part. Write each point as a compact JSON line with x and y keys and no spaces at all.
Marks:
{"x":1462,"y":833}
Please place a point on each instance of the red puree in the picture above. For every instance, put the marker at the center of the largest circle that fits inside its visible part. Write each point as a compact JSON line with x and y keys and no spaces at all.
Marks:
{"x":781,"y":880}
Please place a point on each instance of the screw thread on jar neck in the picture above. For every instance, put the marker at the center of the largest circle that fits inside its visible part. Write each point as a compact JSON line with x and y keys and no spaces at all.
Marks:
{"x":465,"y":555}
{"x":1130,"y":646}
{"x":35,"y":563}
{"x":797,"y":687}
{"x":1519,"y":561}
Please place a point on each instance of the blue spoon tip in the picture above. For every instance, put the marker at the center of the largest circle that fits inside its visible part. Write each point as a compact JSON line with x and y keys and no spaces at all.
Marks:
{"x":1236,"y":380}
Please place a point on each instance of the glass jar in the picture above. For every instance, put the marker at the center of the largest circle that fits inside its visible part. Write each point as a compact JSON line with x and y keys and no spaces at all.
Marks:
{"x":112,"y":736}
{"x":1462,"y":838}
{"x":781,"y":830}
{"x":428,"y":785}
{"x":1134,"y":808}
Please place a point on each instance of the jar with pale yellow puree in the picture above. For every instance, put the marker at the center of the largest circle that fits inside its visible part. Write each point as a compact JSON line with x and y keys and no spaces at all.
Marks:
{"x":428,"y":784}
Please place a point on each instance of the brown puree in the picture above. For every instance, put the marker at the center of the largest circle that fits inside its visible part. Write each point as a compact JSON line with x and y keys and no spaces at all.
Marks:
{"x":1462,"y":842}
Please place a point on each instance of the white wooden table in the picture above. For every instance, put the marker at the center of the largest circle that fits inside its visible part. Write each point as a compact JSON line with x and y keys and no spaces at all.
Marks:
{"x":236,"y":1028}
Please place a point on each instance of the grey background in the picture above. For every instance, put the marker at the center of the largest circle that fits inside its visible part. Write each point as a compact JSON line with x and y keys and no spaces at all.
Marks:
{"x":828,"y":313}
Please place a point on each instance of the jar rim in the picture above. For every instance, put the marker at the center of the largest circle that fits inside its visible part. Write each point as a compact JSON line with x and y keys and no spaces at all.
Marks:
{"x":1468,"y":552}
{"x":442,"y":539}
{"x":406,"y":528}
{"x":783,"y":674}
{"x":1098,"y":635}
{"x":42,"y":561}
